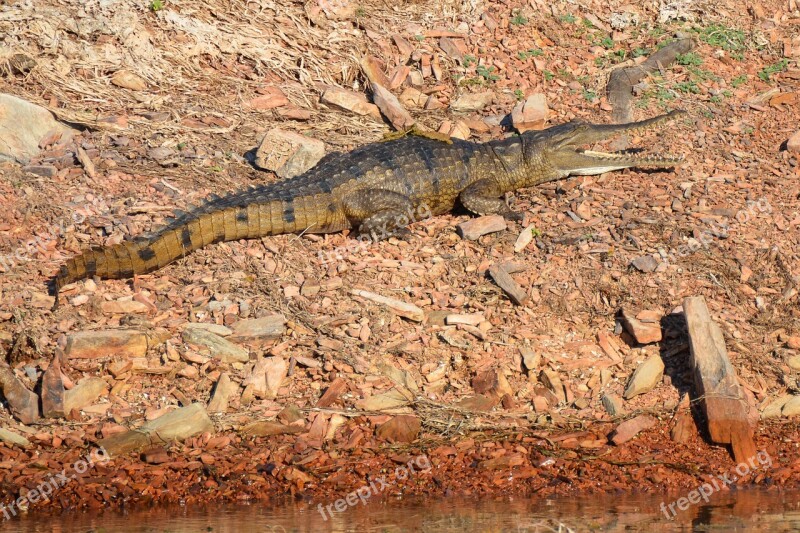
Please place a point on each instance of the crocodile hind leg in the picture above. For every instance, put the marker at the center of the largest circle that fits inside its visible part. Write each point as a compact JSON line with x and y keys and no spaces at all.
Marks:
{"x":379,"y":213}
{"x":484,"y":197}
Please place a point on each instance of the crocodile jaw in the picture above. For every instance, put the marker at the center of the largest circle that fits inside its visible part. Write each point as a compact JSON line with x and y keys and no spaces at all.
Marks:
{"x":591,"y":163}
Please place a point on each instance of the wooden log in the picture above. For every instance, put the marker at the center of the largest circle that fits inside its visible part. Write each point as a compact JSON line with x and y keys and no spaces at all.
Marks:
{"x":716,"y":384}
{"x":177,"y":425}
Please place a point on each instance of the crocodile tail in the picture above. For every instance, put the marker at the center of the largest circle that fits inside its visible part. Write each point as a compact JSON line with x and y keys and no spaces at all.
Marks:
{"x":189,"y":232}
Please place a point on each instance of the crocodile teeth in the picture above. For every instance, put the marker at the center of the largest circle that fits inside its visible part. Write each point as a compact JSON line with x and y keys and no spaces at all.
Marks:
{"x":657,"y":159}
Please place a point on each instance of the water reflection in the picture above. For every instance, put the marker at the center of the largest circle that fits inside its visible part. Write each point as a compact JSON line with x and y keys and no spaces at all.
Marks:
{"x":748,"y":510}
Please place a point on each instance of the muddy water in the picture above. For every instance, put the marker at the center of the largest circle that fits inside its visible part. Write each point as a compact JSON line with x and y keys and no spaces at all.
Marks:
{"x":748,"y":510}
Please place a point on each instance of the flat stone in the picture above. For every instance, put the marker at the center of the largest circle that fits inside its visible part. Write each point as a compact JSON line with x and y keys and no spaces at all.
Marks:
{"x":374,"y":70}
{"x":84,"y":393}
{"x":9,"y":437}
{"x":775,"y":408}
{"x":402,"y":429}
{"x":222,"y":349}
{"x":123,"y":307}
{"x":269,"y":326}
{"x":530,"y":358}
{"x":454,"y":48}
{"x":275,"y":371}
{"x":472,"y":101}
{"x":288,"y":154}
{"x":224,"y":390}
{"x":642,"y":332}
{"x":630,"y":428}
{"x":412,"y":97}
{"x":128,"y":80}
{"x":552,"y":381}
{"x":491,"y":382}
{"x":793,"y":144}
{"x":270,"y":98}
{"x":612,"y":404}
{"x":792,"y":407}
{"x":475,"y":228}
{"x":387,"y":400}
{"x":268,"y":428}
{"x":23,"y":403}
{"x":645,"y":263}
{"x":646,"y":377}
{"x":350,"y":101}
{"x":47,"y":171}
{"x":217,"y":329}
{"x":540,"y":404}
{"x":22,"y":126}
{"x":391,"y":107}
{"x":105,"y":343}
{"x":531,"y":114}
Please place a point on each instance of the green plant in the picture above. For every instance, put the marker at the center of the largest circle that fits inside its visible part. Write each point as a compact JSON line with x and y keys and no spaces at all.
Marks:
{"x":360,"y":12}
{"x":589,"y":95}
{"x":607,"y":42}
{"x":518,"y":19}
{"x":468,"y":60}
{"x":548,"y":75}
{"x":739,"y":81}
{"x":533,"y":52}
{"x":620,"y":54}
{"x":518,"y":94}
{"x":486,"y":73}
{"x":689,"y":86}
{"x":639,"y":52}
{"x":720,"y":36}
{"x":419,"y":37}
{"x":536,"y":232}
{"x":568,"y":18}
{"x":765,"y":73}
{"x":690,"y":58}
{"x":715,"y":99}
{"x":156,"y":5}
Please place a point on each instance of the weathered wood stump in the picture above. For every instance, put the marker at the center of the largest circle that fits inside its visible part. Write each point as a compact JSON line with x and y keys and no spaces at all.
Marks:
{"x":716,"y":383}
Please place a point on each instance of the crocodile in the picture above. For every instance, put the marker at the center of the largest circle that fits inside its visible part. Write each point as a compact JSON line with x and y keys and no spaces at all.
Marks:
{"x":372,"y":189}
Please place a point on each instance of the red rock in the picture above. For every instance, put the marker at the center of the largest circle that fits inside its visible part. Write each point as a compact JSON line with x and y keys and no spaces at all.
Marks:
{"x":336,"y":389}
{"x":105,"y":343}
{"x":349,"y":101}
{"x":24,"y":404}
{"x":475,"y":228}
{"x":287,"y":153}
{"x":402,"y":428}
{"x":373,"y":68}
{"x":273,"y":97}
{"x":128,"y":80}
{"x":643,"y":333}
{"x":531,"y":114}
{"x":391,"y":107}
{"x":472,"y":101}
{"x":630,"y":428}
{"x":455,"y":48}
{"x":793,"y":144}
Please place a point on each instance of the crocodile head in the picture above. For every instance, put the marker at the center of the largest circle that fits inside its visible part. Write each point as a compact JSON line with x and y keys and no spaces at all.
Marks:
{"x":562,"y":148}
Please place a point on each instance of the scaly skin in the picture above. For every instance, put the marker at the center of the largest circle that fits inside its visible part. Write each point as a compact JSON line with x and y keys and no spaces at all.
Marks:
{"x":373,"y":189}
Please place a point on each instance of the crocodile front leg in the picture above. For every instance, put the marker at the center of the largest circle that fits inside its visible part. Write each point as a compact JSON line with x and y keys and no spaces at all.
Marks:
{"x":485,"y":197}
{"x":379,"y":213}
